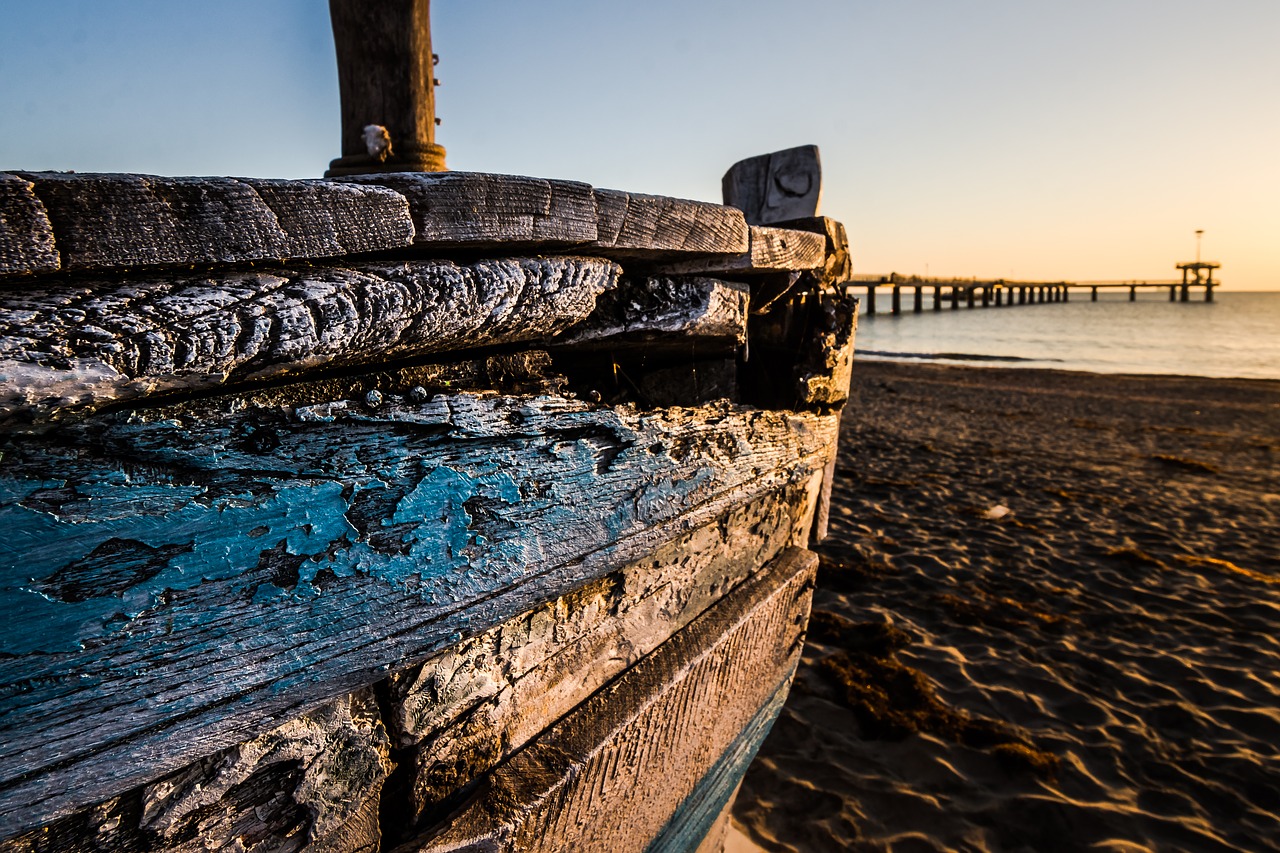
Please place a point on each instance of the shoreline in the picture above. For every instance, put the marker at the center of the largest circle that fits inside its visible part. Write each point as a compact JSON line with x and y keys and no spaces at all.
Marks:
{"x":980,"y":361}
{"x":1066,"y":585}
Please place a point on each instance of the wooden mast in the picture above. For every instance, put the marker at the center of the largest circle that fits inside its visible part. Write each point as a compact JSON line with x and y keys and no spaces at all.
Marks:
{"x":386,"y":81}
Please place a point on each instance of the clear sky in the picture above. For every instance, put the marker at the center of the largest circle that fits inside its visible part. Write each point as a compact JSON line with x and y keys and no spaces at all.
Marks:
{"x":1082,"y":139}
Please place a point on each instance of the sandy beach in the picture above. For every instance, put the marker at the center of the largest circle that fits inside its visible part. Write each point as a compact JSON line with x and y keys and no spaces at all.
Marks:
{"x":1046,"y":619}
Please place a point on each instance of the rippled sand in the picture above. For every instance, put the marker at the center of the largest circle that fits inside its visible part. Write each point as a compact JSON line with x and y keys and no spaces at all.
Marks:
{"x":1047,"y":619}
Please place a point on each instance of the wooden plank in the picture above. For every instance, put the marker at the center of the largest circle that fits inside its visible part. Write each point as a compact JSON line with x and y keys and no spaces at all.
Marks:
{"x":474,"y":209}
{"x":109,"y":221}
{"x":650,"y":227}
{"x":70,"y":346}
{"x":182,"y":579}
{"x":708,"y":808}
{"x":773,"y":188}
{"x":611,"y":776}
{"x":773,"y":250}
{"x":678,"y":309}
{"x":467,"y":710}
{"x":26,"y":236}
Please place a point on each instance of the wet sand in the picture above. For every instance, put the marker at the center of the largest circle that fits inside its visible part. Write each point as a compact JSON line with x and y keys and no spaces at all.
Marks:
{"x":1048,"y":618}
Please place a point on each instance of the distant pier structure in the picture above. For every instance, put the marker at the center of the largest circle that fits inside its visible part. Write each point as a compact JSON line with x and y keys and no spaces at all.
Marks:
{"x":1197,"y":273}
{"x":952,"y":292}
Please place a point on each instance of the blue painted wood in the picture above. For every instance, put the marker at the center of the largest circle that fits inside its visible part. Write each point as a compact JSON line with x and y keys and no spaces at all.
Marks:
{"x":181,"y":580}
{"x":698,"y":813}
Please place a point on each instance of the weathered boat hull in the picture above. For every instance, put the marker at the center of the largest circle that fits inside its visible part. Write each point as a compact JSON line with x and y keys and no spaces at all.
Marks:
{"x":405,"y":552}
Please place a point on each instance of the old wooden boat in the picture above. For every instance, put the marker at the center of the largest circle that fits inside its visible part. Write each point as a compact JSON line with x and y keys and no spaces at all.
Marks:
{"x":403,"y":511}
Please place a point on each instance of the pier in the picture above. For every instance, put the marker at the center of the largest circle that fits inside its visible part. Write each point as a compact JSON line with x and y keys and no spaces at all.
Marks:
{"x":950,"y":293}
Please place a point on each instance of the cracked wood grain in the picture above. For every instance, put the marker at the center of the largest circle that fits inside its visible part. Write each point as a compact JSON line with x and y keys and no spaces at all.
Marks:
{"x":118,"y":221}
{"x":773,"y":250}
{"x":179,"y":581}
{"x":68,"y":346}
{"x":26,"y":236}
{"x":650,"y":227}
{"x":611,"y":775}
{"x":475,"y":209}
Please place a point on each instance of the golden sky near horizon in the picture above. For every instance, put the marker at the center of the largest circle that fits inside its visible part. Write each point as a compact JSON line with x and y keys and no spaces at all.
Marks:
{"x":992,"y":138}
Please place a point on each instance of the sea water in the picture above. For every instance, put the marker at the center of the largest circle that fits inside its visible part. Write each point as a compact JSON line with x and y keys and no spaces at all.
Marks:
{"x":1236,"y":335}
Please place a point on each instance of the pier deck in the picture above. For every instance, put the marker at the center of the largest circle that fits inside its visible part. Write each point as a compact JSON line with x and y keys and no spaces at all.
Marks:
{"x":1003,"y":292}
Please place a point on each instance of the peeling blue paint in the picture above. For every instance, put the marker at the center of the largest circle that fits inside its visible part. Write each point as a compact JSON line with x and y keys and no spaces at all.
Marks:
{"x":307,"y":516}
{"x":463,"y":517}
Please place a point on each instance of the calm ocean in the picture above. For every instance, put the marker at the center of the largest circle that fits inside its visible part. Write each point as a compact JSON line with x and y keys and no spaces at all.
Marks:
{"x":1237,"y":335}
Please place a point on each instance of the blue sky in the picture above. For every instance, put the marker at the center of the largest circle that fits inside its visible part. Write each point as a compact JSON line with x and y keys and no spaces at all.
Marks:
{"x":1083,"y":139}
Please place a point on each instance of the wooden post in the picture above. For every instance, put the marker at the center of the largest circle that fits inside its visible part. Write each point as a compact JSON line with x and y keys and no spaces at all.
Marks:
{"x":1208,"y":292}
{"x":775,"y":187}
{"x":986,"y":295}
{"x":999,"y":296}
{"x":955,"y":297}
{"x":937,"y":297}
{"x":968,"y":295}
{"x":871,"y":299}
{"x":1022,"y":296}
{"x":1133,"y":294}
{"x":917,"y":304}
{"x":386,"y":81}
{"x":1093,"y":294}
{"x":1066,"y":293}
{"x":897,"y":299}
